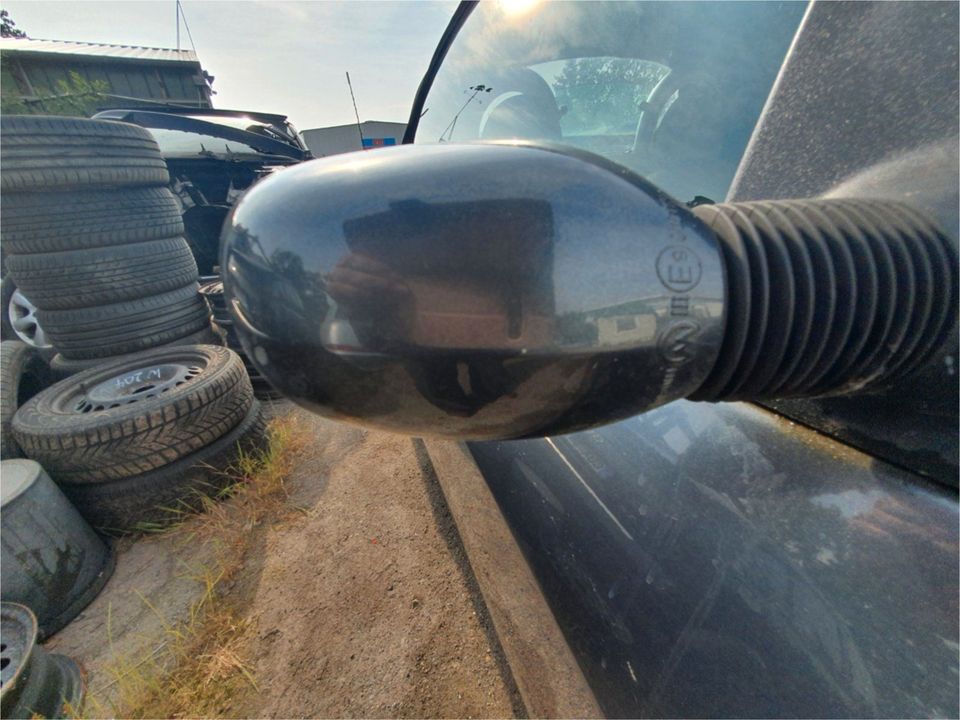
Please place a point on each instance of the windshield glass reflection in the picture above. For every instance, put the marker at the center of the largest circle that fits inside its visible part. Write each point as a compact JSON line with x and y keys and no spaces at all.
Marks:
{"x":670,"y":90}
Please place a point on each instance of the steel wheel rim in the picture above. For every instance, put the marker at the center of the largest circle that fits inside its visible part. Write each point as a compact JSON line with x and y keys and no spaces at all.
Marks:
{"x":19,"y":638}
{"x":23,"y":319}
{"x":131,"y":387}
{"x":128,"y":384}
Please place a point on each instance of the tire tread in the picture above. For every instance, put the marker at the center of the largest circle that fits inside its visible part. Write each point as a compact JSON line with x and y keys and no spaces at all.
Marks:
{"x":129,"y":440}
{"x":126,"y":327}
{"x":77,"y":220}
{"x":40,"y":153}
{"x":102,"y":276}
{"x":158,"y":495}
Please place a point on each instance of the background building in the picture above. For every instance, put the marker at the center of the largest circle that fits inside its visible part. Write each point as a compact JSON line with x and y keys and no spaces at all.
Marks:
{"x":346,"y":138}
{"x":34,"y":73}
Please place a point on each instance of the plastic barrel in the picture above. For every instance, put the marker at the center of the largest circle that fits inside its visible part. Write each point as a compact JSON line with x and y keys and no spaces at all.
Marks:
{"x":51,"y":560}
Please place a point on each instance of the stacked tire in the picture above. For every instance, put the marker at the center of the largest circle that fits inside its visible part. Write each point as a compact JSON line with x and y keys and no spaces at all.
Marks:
{"x":94,"y":238}
{"x":151,"y":411}
{"x":23,"y":374}
{"x":136,"y":441}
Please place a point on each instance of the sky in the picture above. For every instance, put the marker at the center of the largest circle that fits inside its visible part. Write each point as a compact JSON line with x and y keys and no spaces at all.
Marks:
{"x":272,"y":56}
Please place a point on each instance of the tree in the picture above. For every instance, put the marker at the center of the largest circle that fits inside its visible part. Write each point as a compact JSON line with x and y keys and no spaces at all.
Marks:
{"x":8,"y":28}
{"x":605,"y":94}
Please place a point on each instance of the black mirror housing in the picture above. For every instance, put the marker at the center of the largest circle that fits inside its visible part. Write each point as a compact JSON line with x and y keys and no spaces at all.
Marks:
{"x":473,"y":291}
{"x":507,"y":290}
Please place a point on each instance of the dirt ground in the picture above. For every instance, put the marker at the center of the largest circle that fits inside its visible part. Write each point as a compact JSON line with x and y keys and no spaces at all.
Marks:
{"x":359,"y":600}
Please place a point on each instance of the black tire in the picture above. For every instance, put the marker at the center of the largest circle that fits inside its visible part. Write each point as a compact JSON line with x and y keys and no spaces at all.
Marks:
{"x":160,"y":497}
{"x":212,"y":289}
{"x":62,"y":367}
{"x":59,"y":221}
{"x":42,"y":153}
{"x":7,"y":288}
{"x":127,"y":327}
{"x":102,"y":276}
{"x":81,"y":433}
{"x":264,"y":392}
{"x":23,"y":374}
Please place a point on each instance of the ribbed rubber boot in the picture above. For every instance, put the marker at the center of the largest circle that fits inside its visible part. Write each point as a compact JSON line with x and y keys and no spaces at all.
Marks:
{"x":827,"y":296}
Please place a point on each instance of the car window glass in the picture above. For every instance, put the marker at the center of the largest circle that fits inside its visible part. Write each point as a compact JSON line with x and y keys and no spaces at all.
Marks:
{"x":283,"y":134}
{"x":178,"y":142}
{"x":671,"y":90}
{"x":241,"y":123}
{"x":600,"y":95}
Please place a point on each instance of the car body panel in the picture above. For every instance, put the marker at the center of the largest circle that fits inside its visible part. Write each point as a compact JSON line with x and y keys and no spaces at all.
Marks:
{"x":876,"y":86}
{"x":725,"y":560}
{"x":203,"y":123}
{"x":213,"y":157}
{"x":547,"y":675}
{"x":720,"y":560}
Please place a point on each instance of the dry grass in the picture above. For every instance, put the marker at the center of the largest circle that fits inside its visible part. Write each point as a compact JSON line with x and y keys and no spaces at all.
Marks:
{"x":202,"y":664}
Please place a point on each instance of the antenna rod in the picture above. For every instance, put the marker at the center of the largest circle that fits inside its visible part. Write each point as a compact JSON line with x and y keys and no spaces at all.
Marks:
{"x":359,"y":129}
{"x":178,"y":25}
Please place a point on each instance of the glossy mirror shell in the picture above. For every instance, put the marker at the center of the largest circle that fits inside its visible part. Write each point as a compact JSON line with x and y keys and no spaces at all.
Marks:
{"x":474,"y":291}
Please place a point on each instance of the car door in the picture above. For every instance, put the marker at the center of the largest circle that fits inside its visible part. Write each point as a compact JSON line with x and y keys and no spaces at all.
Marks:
{"x":729,"y":560}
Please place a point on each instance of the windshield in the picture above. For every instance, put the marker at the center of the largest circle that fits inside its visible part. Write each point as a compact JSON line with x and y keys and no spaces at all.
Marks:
{"x":670,"y":90}
{"x":284,"y":133}
{"x":179,"y":142}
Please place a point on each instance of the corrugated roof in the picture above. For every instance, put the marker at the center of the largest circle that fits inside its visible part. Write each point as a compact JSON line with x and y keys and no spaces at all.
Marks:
{"x":67,"y":47}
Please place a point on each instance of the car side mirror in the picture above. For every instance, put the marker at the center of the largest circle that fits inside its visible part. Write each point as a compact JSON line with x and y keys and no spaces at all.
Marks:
{"x":507,"y":290}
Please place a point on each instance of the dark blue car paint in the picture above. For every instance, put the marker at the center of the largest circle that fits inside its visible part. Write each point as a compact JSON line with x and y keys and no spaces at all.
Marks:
{"x":719,"y":560}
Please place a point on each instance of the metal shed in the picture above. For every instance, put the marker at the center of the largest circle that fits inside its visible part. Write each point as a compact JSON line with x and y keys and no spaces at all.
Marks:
{"x":134,"y":75}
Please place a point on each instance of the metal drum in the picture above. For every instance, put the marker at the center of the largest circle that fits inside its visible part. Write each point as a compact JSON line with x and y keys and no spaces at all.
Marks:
{"x":34,"y":683}
{"x":51,"y":560}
